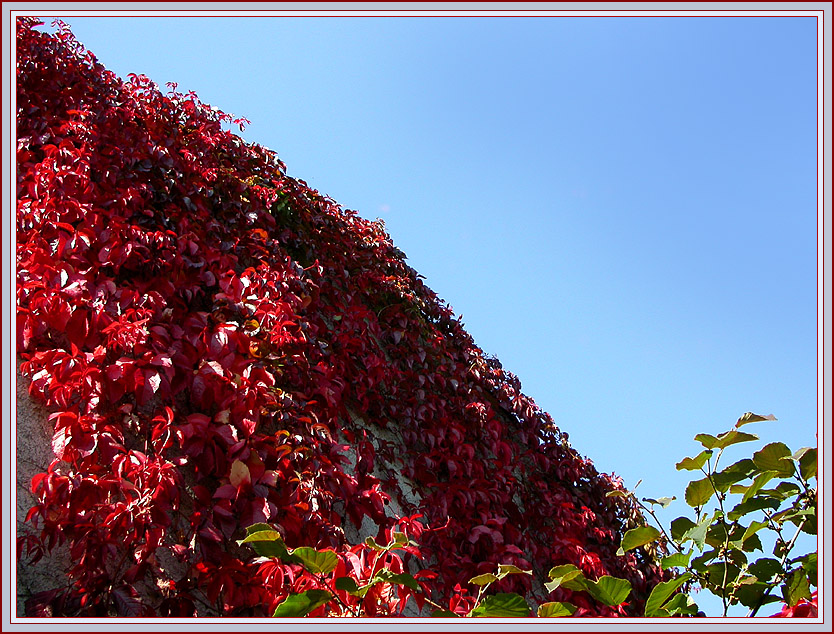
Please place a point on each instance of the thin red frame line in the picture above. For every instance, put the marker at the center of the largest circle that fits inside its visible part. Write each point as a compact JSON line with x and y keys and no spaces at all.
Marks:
{"x":815,"y":13}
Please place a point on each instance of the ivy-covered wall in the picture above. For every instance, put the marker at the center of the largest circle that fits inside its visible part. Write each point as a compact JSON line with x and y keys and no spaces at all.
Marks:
{"x":220,"y":345}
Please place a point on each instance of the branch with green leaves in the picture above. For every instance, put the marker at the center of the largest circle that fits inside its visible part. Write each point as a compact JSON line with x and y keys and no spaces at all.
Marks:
{"x":715,"y":551}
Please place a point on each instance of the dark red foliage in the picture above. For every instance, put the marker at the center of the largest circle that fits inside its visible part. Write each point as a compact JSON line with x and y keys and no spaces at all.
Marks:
{"x":804,"y":609}
{"x":209,"y":332}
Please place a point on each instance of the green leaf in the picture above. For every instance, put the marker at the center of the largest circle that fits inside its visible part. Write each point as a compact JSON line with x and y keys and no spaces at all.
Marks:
{"x":661,"y":593}
{"x":637,"y":537}
{"x":699,"y":492}
{"x":750,"y":417}
{"x":808,"y":464}
{"x":509,"y":569}
{"x":400,"y":579}
{"x":700,"y":563}
{"x":721,"y":573}
{"x":707,"y":440}
{"x":398,"y":539}
{"x":662,"y":502}
{"x":371,"y":543}
{"x":775,"y":457}
{"x":298,"y":605}
{"x":484,"y":579}
{"x":750,"y":591}
{"x":748,"y":545}
{"x":257,"y":528}
{"x":782,"y":491}
{"x":716,"y":534}
{"x":761,"y":480}
{"x":693,"y":464}
{"x":348,"y":584}
{"x":736,"y":472}
{"x":568,"y":576}
{"x":609,"y":590}
{"x":751,"y":530}
{"x":319,"y":562}
{"x":810,"y":526}
{"x":751,"y":505}
{"x":556,"y":609}
{"x":616,"y":494}
{"x":680,"y":526}
{"x":681,"y":604}
{"x":809,"y":565}
{"x":268,"y":543}
{"x":731,"y":437}
{"x":698,"y":533}
{"x":796,"y":587}
{"x":677,"y":560}
{"x":506,"y":604}
{"x":765,"y":569}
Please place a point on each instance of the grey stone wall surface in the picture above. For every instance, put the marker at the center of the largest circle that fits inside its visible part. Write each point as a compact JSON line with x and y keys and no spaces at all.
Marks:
{"x":34,"y":454}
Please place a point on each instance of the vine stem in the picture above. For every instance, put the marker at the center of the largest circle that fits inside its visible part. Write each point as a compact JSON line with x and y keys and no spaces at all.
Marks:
{"x":725,"y":547}
{"x":333,"y":592}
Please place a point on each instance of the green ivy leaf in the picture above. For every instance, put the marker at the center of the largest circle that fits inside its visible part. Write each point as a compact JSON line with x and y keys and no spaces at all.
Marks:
{"x":319,"y":562}
{"x":698,"y":492}
{"x":661,"y":593}
{"x":609,"y":590}
{"x":506,"y":604}
{"x":637,"y":537}
{"x":750,"y":417}
{"x":298,"y":605}
{"x":555,"y":609}
{"x":776,"y":457}
{"x":693,"y":464}
{"x":677,"y":560}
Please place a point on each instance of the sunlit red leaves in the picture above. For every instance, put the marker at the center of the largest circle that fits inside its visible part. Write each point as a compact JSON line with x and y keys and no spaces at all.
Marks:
{"x":203,"y":325}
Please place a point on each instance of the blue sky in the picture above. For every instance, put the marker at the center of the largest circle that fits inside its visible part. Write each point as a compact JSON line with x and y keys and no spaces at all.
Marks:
{"x":622,"y":209}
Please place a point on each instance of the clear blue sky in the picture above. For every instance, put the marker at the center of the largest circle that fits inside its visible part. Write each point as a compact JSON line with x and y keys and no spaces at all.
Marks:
{"x":622,"y":209}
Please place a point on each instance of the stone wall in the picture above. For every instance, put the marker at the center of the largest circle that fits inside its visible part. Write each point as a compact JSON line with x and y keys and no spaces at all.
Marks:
{"x":34,"y":454}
